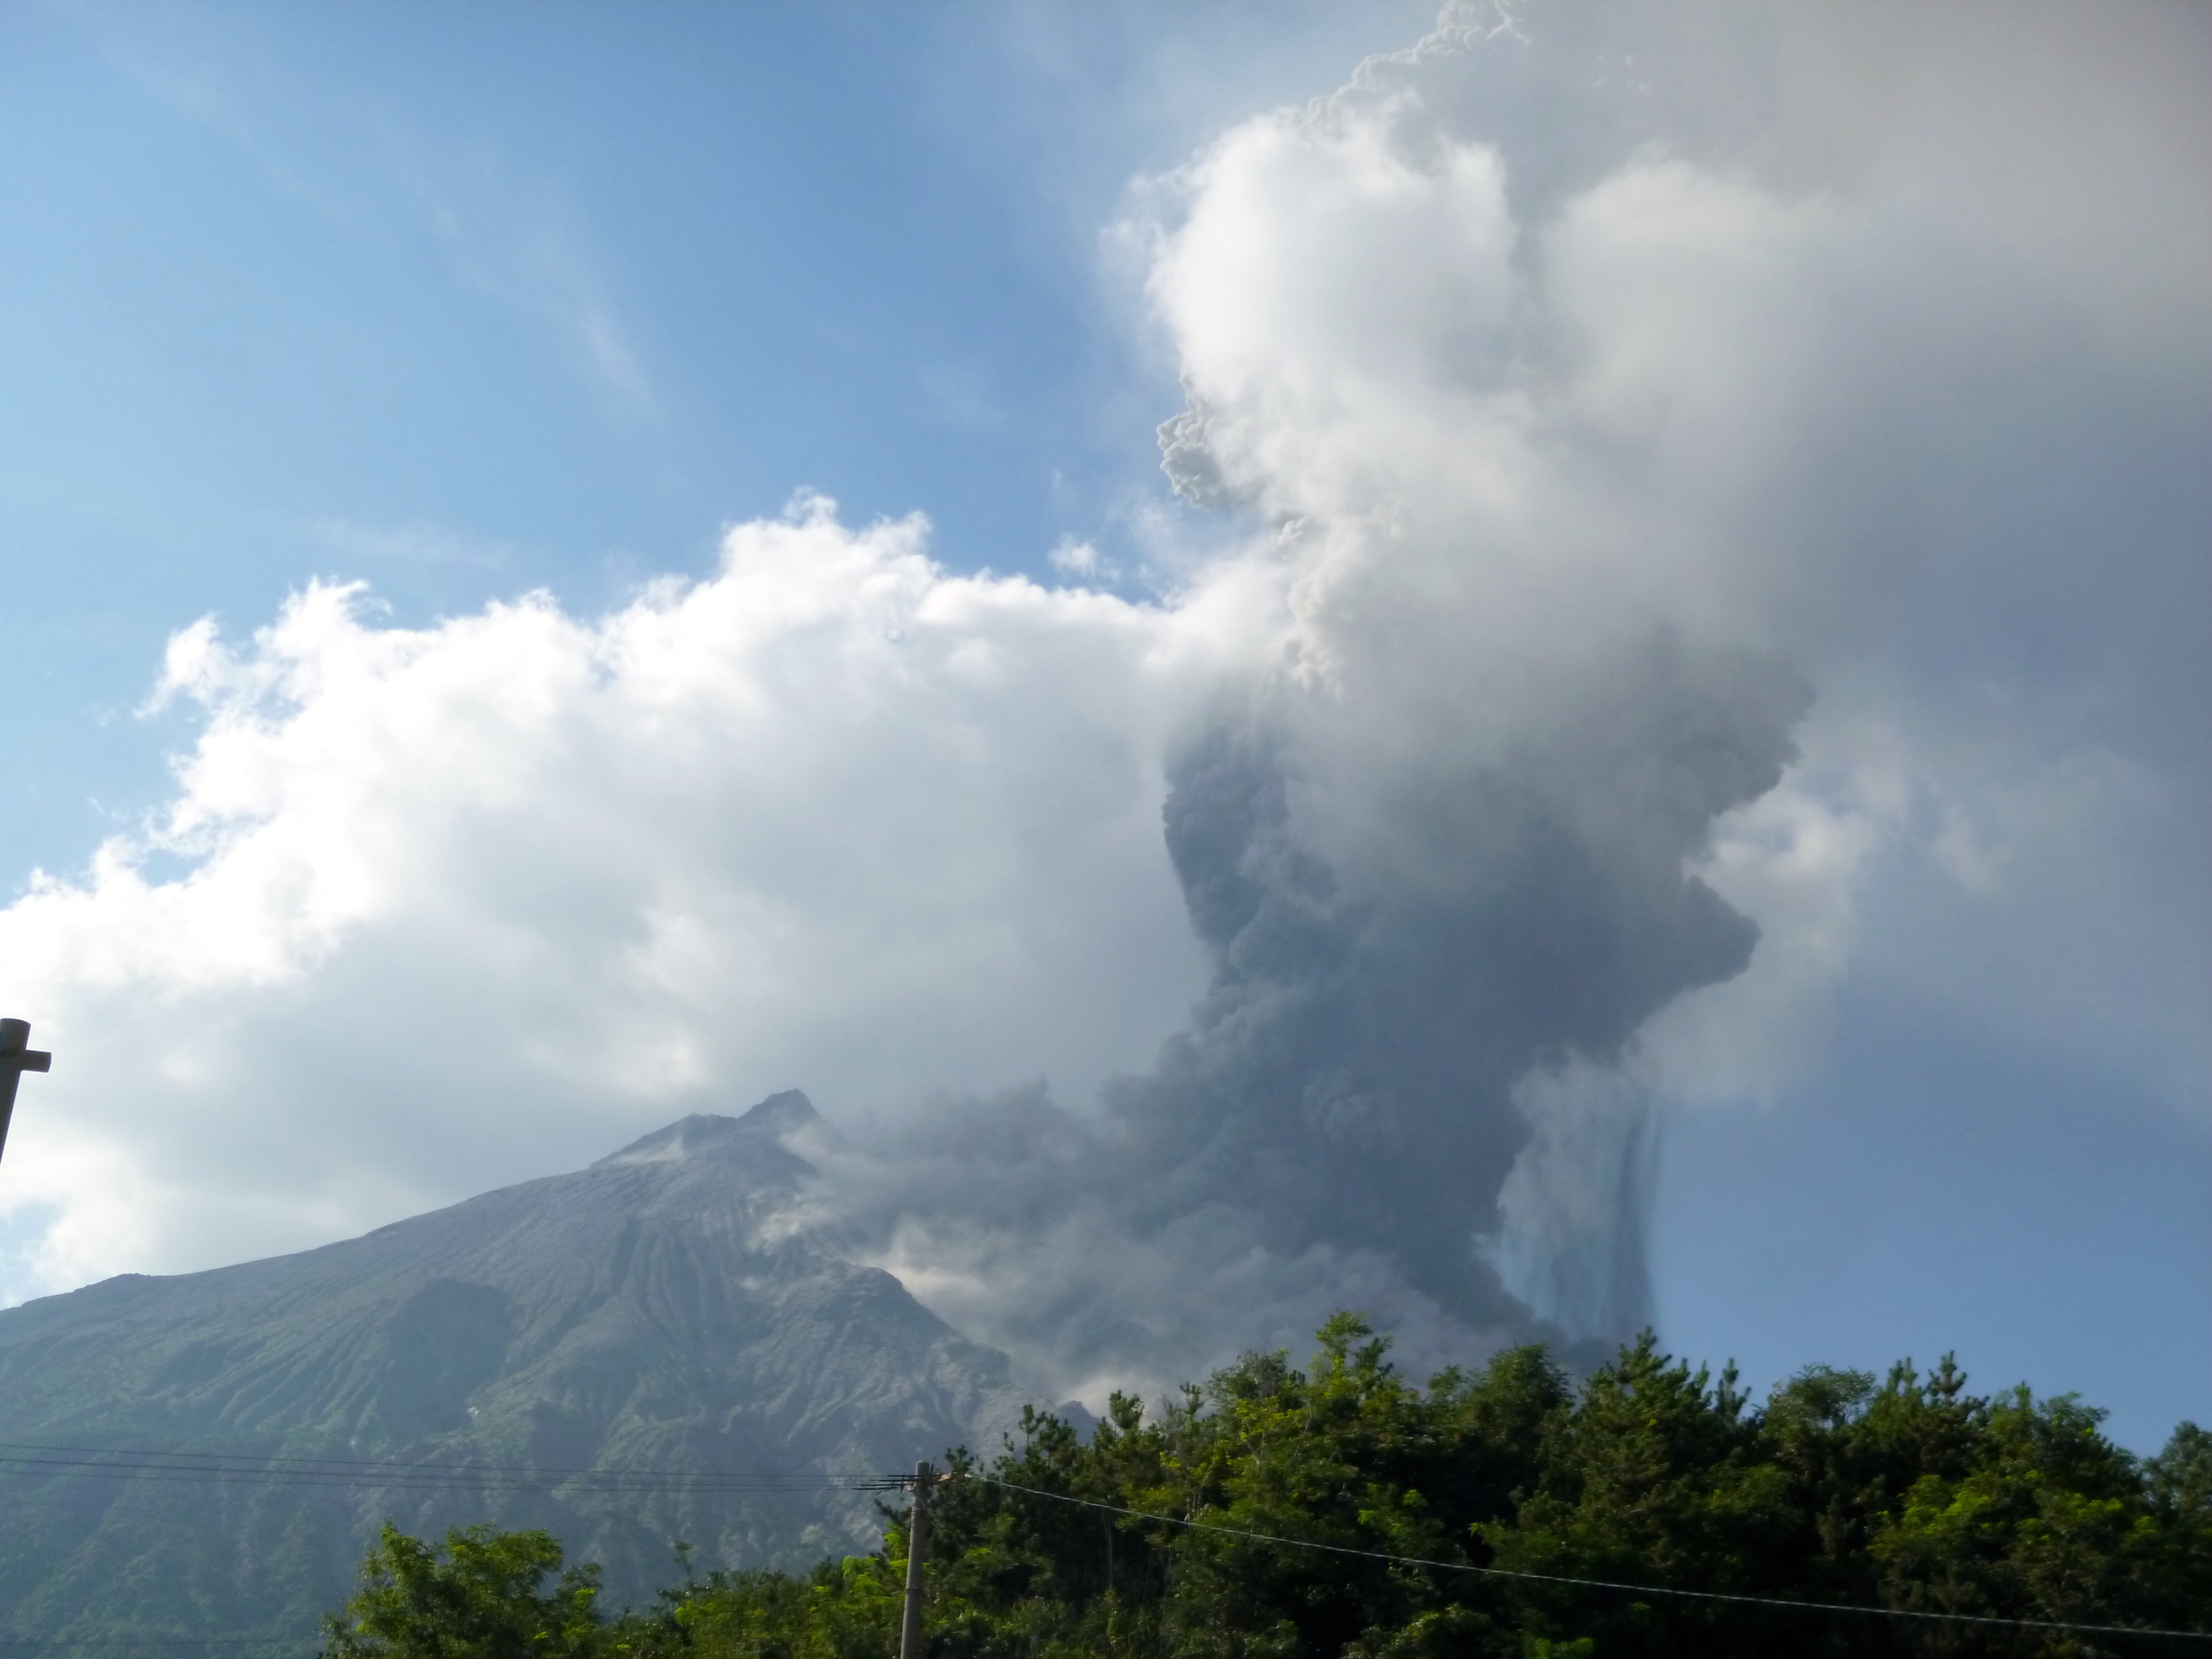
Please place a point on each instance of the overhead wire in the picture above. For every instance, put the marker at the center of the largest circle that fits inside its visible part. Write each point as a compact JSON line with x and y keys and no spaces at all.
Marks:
{"x":80,"y":1461}
{"x":154,"y":1466}
{"x":1600,"y":1583}
{"x":148,"y":1465}
{"x":62,"y":1645}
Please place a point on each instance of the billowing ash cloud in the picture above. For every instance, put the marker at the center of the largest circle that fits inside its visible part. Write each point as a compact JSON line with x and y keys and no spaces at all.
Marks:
{"x":1383,"y":1038}
{"x":1554,"y":356}
{"x":1443,"y":851}
{"x":1350,"y":1075}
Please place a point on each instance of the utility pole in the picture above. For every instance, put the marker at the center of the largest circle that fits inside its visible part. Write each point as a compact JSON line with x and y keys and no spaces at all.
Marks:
{"x":16,"y":1057}
{"x":917,"y":1542}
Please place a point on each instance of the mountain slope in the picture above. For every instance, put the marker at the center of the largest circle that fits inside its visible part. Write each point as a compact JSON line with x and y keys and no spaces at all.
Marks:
{"x":645,"y":1313}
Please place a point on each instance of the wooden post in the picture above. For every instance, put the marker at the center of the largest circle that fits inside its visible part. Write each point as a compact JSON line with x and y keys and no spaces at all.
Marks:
{"x":917,"y":1542}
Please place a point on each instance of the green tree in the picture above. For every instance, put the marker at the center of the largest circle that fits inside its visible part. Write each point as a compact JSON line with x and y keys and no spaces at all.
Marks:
{"x":483,"y":1596}
{"x":1447,"y":1517}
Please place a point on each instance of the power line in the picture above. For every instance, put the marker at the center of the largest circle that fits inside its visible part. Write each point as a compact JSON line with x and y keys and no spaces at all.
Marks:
{"x":318,"y":1460}
{"x":460,"y":1480}
{"x":158,"y":1642}
{"x":1602,"y":1584}
{"x":897,"y":1482}
{"x":82,"y":1463}
{"x":637,"y":1483}
{"x":146,"y":1466}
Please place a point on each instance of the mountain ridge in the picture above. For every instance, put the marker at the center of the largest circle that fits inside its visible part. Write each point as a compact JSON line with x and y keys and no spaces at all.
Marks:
{"x":644,"y":1312}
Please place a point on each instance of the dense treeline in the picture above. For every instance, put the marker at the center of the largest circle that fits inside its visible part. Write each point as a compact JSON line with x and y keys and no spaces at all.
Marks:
{"x":1906,"y":1494}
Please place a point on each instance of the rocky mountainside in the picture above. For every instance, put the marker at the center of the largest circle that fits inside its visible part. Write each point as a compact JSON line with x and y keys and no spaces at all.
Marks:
{"x":645,"y":1314}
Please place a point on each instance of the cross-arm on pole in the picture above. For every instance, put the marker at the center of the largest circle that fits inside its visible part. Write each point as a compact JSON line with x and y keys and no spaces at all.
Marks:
{"x":16,"y":1057}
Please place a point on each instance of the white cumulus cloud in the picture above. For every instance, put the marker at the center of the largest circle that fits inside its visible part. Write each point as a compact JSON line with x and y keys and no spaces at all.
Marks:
{"x":514,"y":885}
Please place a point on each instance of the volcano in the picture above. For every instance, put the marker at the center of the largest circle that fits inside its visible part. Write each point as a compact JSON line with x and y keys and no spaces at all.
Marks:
{"x":658,"y":1312}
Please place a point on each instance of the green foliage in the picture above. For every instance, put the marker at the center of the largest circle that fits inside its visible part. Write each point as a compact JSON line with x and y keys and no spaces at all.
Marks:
{"x":1908,"y":1494}
{"x":480,"y":1598}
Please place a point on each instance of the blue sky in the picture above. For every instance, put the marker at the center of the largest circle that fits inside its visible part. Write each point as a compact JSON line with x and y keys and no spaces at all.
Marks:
{"x":471,"y":302}
{"x":468,"y":303}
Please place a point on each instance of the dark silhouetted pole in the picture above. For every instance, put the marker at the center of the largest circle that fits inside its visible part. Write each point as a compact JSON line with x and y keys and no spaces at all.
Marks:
{"x":16,"y":1057}
{"x":917,"y":1540}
